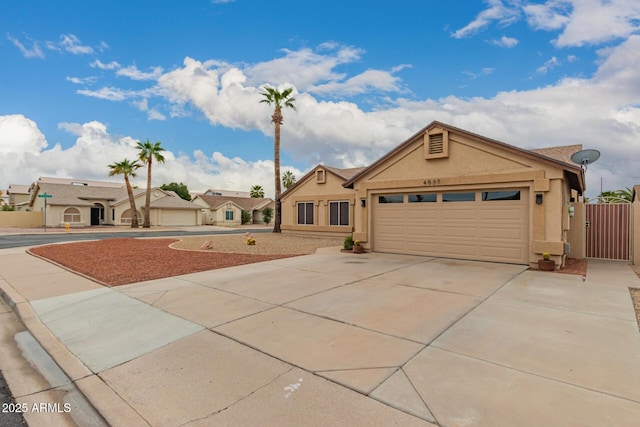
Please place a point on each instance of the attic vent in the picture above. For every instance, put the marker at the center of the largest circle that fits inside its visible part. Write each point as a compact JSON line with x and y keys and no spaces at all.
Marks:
{"x":320,"y":176}
{"x":436,"y":144}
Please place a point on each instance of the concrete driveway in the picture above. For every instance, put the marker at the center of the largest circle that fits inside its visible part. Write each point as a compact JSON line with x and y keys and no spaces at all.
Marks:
{"x":341,"y":339}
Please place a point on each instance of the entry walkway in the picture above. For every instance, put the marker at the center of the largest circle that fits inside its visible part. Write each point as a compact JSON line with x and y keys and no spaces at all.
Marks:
{"x":340,"y":339}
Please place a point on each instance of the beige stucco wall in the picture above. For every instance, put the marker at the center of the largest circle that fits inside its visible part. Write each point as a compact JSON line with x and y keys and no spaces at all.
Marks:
{"x":576,"y":234}
{"x":21,"y":219}
{"x":219,"y":216}
{"x":320,"y":194}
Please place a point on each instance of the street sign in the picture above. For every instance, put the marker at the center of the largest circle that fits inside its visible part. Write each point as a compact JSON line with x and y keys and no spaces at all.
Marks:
{"x":45,"y":196}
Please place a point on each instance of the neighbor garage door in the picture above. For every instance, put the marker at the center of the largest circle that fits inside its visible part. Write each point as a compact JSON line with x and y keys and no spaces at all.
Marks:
{"x":489,"y":225}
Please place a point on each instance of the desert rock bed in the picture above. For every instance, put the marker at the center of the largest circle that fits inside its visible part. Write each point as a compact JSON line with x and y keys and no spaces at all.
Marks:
{"x":121,"y":261}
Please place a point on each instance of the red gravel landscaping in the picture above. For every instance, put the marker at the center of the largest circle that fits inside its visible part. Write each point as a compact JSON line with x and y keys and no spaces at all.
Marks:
{"x":121,"y":261}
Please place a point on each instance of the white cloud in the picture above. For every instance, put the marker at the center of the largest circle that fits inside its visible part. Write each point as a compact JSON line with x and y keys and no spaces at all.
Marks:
{"x":19,"y":134}
{"x":134,"y":74}
{"x":72,"y":44}
{"x":580,"y":22}
{"x":82,"y":80}
{"x":33,"y":52}
{"x":498,"y":11}
{"x":27,"y":158}
{"x":599,"y":111}
{"x":505,"y":41}
{"x":110,"y":66}
{"x":550,"y":64}
{"x":108,"y":93}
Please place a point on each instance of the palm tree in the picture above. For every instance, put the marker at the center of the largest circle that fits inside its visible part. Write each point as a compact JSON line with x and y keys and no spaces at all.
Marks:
{"x":288,"y":179}
{"x":127,"y":168}
{"x":279,"y":100}
{"x":256,"y":191}
{"x":146,"y":153}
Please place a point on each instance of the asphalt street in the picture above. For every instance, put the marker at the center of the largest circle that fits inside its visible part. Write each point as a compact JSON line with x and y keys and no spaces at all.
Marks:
{"x":10,"y":415}
{"x":17,"y":240}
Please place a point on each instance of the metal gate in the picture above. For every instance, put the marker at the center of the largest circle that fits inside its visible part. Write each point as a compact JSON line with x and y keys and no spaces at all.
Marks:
{"x":609,"y":231}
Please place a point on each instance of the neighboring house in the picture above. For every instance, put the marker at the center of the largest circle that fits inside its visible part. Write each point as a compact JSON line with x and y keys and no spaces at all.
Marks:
{"x":226,"y":193}
{"x":319,"y":204}
{"x":227,"y":211}
{"x":451,"y":193}
{"x":18,"y":196}
{"x":86,"y":203}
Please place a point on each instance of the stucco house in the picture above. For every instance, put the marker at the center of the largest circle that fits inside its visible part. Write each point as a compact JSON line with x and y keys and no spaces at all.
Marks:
{"x":448,"y":192}
{"x":83,"y":203}
{"x":319,"y":203}
{"x":18,"y":196}
{"x":226,"y":211}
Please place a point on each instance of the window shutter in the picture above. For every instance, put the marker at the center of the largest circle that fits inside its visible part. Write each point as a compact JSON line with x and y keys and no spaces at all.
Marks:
{"x":436,"y":144}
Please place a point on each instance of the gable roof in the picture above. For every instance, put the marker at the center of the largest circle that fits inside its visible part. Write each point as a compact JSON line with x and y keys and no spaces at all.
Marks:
{"x":342,"y":174}
{"x":244,"y":203}
{"x":575,"y":174}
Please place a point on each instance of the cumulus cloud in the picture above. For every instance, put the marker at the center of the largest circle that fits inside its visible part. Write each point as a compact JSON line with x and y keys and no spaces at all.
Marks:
{"x":23,"y":149}
{"x":599,"y":111}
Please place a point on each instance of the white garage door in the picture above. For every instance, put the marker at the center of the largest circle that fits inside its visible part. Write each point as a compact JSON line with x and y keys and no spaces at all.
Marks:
{"x":489,"y":225}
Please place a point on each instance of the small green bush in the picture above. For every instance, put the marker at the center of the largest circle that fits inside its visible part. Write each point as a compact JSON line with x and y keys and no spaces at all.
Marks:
{"x":267,"y":214}
{"x":246,"y":217}
{"x":348,"y":242}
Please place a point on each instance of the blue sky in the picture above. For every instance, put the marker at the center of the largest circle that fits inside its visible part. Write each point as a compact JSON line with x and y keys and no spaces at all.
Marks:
{"x":81,"y":81}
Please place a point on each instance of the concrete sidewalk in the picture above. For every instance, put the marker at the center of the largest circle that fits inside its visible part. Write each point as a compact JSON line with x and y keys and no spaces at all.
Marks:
{"x":338,"y":339}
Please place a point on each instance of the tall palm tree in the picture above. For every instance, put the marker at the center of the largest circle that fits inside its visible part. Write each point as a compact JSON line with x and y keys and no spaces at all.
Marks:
{"x":279,"y":100}
{"x":147,"y":152}
{"x":288,"y":179}
{"x":127,"y":168}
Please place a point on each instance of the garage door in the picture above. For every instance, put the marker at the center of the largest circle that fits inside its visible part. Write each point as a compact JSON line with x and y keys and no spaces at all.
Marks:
{"x":488,"y":225}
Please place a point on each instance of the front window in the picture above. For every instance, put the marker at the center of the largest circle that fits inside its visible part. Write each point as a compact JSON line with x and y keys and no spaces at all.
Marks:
{"x":305,"y":213}
{"x":71,"y":215}
{"x":228,"y":215}
{"x":338,"y":213}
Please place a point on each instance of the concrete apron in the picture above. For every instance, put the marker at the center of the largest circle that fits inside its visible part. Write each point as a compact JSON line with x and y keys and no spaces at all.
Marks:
{"x":346,"y":340}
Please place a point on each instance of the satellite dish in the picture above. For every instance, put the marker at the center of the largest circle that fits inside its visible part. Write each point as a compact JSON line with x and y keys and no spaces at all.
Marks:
{"x":585,"y":157}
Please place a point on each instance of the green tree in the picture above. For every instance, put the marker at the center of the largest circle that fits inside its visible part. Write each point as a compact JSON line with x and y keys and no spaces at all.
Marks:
{"x":256,"y":192}
{"x":288,"y":179}
{"x":618,"y":196}
{"x":267,"y":214}
{"x":278,"y":100}
{"x":180,"y":189}
{"x":147,"y":153}
{"x":127,"y":168}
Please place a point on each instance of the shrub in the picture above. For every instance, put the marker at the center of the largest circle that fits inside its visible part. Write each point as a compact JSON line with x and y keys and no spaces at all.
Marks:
{"x":348,"y":242}
{"x":267,"y":214}
{"x":246,"y":217}
{"x":251,"y":241}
